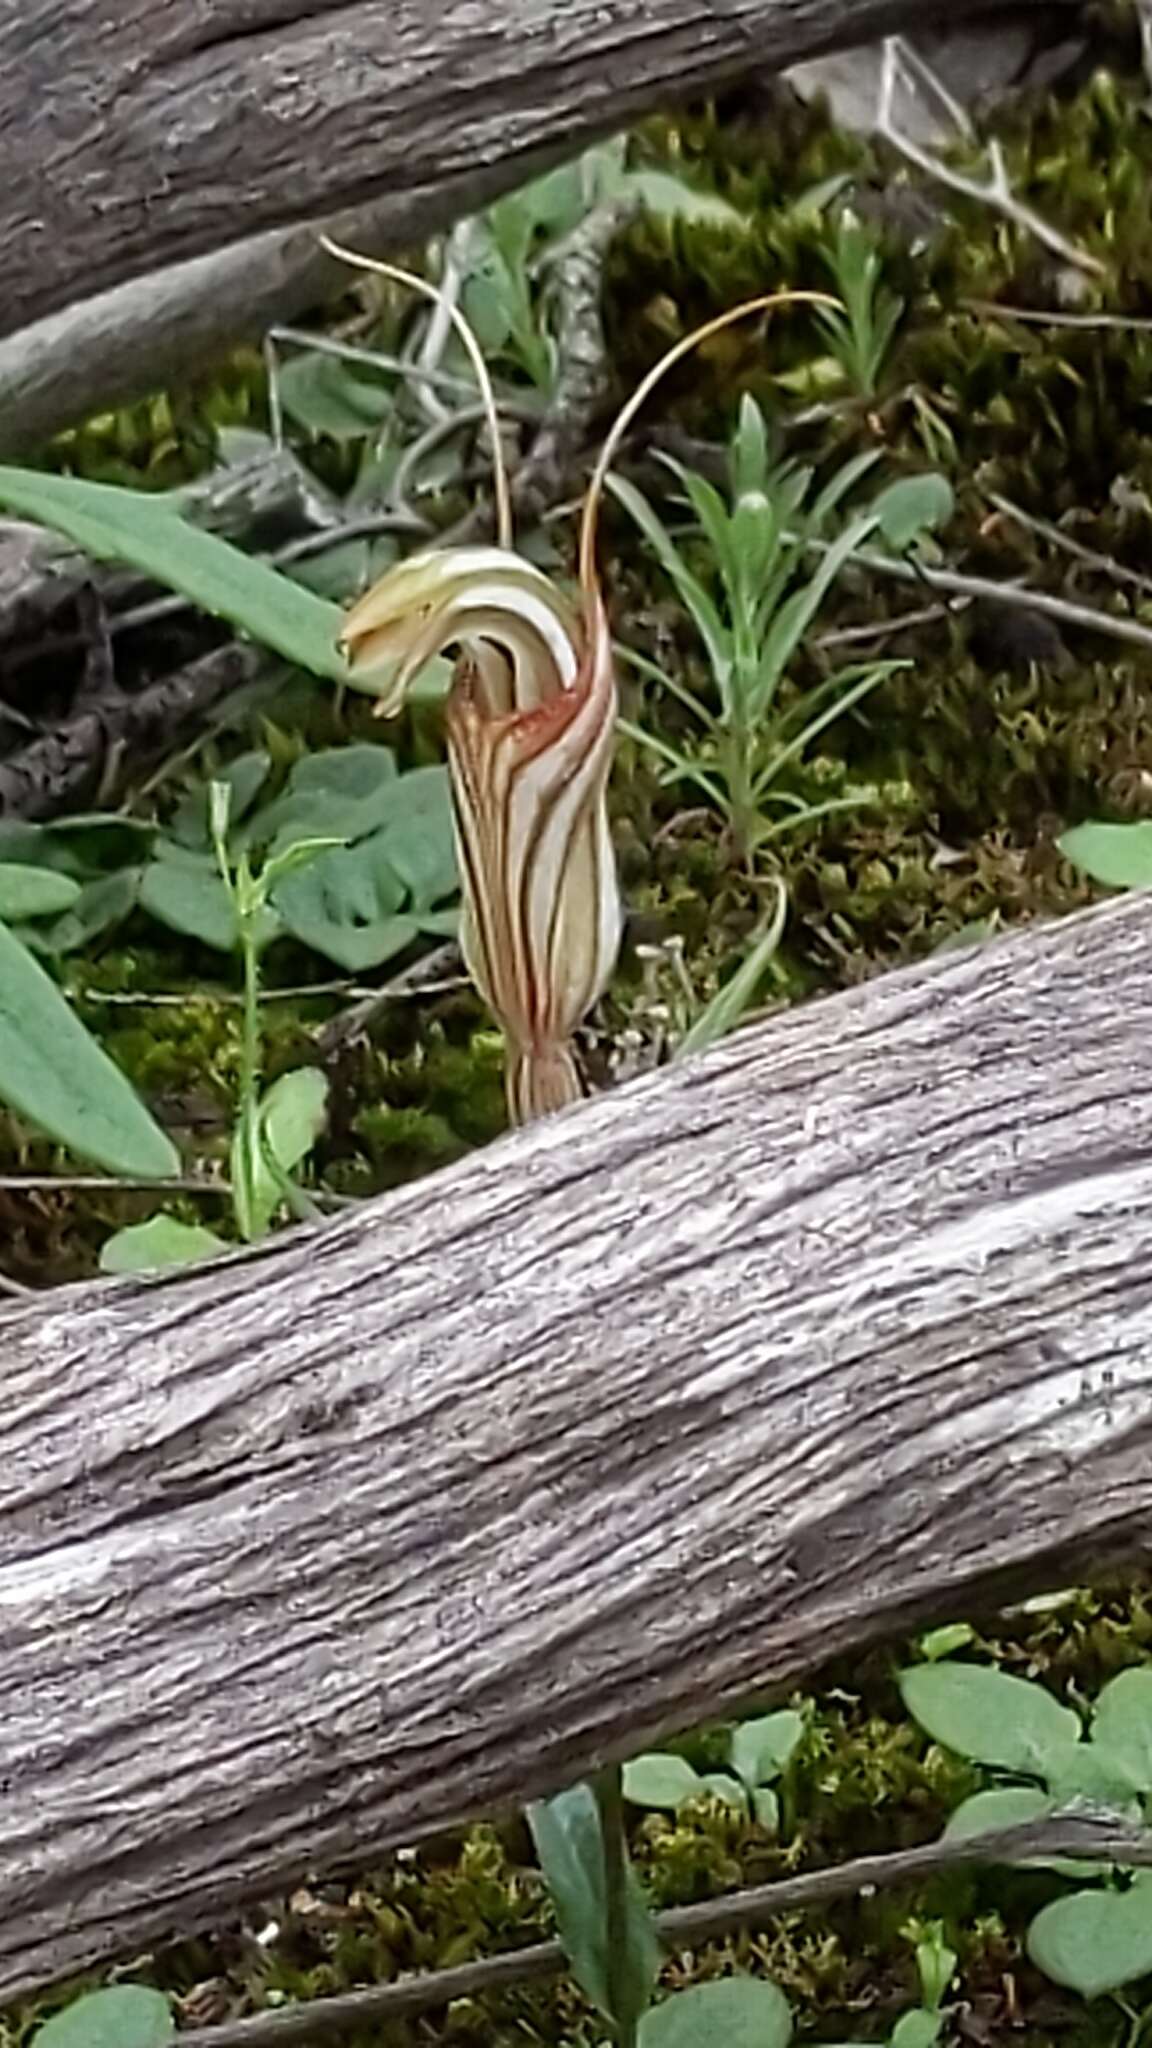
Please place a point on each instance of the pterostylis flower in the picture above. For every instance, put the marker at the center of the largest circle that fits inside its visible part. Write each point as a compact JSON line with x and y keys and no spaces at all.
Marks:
{"x":530,"y":725}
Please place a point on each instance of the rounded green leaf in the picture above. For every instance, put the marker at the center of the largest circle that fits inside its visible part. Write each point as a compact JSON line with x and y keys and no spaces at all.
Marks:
{"x":662,"y":1781}
{"x":1005,"y":1806}
{"x":188,"y":894}
{"x":760,"y":1749}
{"x":1122,"y":1724}
{"x":914,"y":505}
{"x":34,"y":892}
{"x":1095,"y":1941}
{"x":125,"y":2016}
{"x":988,"y":1715}
{"x":53,"y":1072}
{"x":917,"y":2029}
{"x":1120,"y":856}
{"x":161,"y":1242}
{"x":734,"y":2012}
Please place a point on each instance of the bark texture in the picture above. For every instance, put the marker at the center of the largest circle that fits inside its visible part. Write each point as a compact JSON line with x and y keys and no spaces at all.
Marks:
{"x":137,"y":133}
{"x":322,"y":1548}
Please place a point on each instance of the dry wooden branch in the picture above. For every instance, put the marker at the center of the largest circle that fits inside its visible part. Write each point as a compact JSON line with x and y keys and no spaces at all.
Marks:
{"x":429,"y":1510}
{"x":135,"y":133}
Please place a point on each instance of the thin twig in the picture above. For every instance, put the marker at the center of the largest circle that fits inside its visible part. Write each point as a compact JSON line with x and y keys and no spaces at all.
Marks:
{"x":376,"y":359}
{"x":438,"y":973}
{"x":1092,"y":557}
{"x":711,"y":1919}
{"x":1085,"y":617}
{"x":1039,"y":316}
{"x":71,"y":1183}
{"x":899,"y":61}
{"x":880,"y":630}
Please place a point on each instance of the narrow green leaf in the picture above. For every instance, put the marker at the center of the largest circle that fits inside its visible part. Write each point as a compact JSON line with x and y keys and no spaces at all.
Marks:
{"x":733,"y":2012}
{"x":154,"y":1246}
{"x":124,"y":2016}
{"x":53,"y":1072}
{"x":131,"y":526}
{"x":988,"y":1715}
{"x":569,"y":1843}
{"x":728,"y":1005}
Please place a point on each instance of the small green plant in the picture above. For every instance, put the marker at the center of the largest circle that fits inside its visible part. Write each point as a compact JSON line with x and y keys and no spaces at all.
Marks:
{"x":767,"y":567}
{"x":923,"y":2025}
{"x":606,"y":1927}
{"x":758,"y":1752}
{"x":1094,"y":1941}
{"x":274,"y":1130}
{"x":861,"y":334}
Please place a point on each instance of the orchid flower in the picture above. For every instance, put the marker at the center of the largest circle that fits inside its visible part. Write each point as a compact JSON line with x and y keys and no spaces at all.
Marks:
{"x":530,"y":726}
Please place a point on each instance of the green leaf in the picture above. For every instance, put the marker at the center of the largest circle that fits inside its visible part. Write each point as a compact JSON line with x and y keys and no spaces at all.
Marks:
{"x":913,"y":506}
{"x":1011,"y":1806}
{"x":289,"y":1120}
{"x":955,"y":1635}
{"x":766,"y":1809}
{"x":99,"y":905}
{"x":53,"y":1072}
{"x":243,"y":778}
{"x":1120,"y":856}
{"x":988,"y":1715}
{"x":1093,"y":1771}
{"x":719,"y":1785}
{"x":660,"y":1780}
{"x":733,"y":2012}
{"x":154,"y":1246}
{"x":758,"y":1750}
{"x":569,"y":1843}
{"x":327,"y":396}
{"x":729,"y":1003}
{"x":346,"y":905}
{"x":662,"y":192}
{"x":417,"y":838}
{"x":26,"y":891}
{"x":125,"y":2016}
{"x":343,"y":792}
{"x":1095,"y":1941}
{"x":187,"y":893}
{"x":917,"y":2029}
{"x":1122,"y":1725}
{"x":132,"y":526}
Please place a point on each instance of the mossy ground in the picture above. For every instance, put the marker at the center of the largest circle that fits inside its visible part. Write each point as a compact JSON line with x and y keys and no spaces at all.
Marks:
{"x":979,"y":754}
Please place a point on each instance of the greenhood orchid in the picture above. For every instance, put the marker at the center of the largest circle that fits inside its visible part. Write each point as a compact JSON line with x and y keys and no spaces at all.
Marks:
{"x":530,"y":726}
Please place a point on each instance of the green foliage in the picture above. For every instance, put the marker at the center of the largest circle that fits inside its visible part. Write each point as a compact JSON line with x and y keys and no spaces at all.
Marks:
{"x":860,"y":334}
{"x":129,"y":526}
{"x":1120,"y":856}
{"x":734,"y":2012}
{"x":54,"y":1073}
{"x":569,"y":1839}
{"x":753,"y":599}
{"x":1092,"y":1940}
{"x":758,"y":1752}
{"x":126,"y":2016}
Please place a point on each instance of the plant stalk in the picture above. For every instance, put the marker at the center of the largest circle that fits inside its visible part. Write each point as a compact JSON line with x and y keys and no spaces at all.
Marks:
{"x":609,"y":1789}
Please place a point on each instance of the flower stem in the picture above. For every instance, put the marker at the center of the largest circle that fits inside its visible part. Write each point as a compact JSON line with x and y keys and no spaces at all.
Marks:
{"x":610,"y":1799}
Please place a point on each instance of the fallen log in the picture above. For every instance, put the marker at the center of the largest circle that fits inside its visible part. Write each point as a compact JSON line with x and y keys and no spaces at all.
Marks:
{"x":419,"y":1514}
{"x":138,"y":133}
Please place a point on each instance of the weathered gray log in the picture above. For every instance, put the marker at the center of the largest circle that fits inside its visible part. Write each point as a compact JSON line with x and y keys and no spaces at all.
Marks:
{"x":137,"y":133}
{"x":425,"y":1512}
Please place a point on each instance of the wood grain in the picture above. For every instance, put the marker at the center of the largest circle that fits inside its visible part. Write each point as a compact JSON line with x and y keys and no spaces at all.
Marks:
{"x":321,"y":1548}
{"x":138,"y":133}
